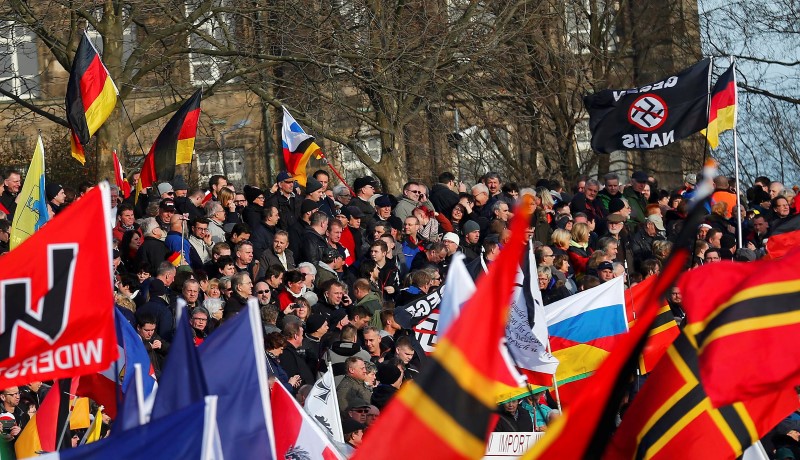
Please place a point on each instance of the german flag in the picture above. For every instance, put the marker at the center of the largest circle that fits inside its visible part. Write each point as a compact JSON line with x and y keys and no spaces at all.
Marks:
{"x":662,"y":332}
{"x":173,"y":146}
{"x":784,"y":237}
{"x":747,"y":313}
{"x":448,"y":412}
{"x":672,"y":417}
{"x":91,"y":96}
{"x":44,"y":429}
{"x":297,"y":147}
{"x":722,"y":112}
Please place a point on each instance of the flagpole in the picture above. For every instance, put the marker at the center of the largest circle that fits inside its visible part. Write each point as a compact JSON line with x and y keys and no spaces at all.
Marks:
{"x":555,"y":385}
{"x":72,"y":402}
{"x":736,"y":157}
{"x":328,"y":163}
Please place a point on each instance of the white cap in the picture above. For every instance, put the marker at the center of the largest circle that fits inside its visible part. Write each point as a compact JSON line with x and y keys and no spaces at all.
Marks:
{"x":450,"y":236}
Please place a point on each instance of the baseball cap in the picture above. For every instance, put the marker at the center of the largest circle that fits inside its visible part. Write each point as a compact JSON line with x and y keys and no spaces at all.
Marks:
{"x":167,"y":203}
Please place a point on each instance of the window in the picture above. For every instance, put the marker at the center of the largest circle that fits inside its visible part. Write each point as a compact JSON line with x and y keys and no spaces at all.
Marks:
{"x":210,"y":29}
{"x":19,"y":61}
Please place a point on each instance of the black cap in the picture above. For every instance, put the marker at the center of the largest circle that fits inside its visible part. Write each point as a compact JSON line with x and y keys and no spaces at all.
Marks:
{"x":383,"y":201}
{"x":52,"y":189}
{"x":179,"y":184}
{"x":312,"y":185}
{"x":388,"y":373}
{"x":251,"y":193}
{"x":395,"y":223}
{"x":352,"y":211}
{"x":362,"y":182}
{"x":351,"y":426}
{"x":639,"y":176}
{"x":314,"y":323}
{"x":167,"y":203}
{"x":309,"y":205}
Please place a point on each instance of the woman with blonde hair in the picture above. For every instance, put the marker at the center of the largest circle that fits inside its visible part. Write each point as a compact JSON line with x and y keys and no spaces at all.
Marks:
{"x":226,"y":199}
{"x":560,"y":240}
{"x":579,"y":250}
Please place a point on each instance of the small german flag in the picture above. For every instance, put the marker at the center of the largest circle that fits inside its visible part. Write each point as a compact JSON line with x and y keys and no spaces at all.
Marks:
{"x":449,"y":410}
{"x":722,"y":113}
{"x":91,"y":96}
{"x":173,"y":146}
{"x":672,"y":417}
{"x":747,"y":313}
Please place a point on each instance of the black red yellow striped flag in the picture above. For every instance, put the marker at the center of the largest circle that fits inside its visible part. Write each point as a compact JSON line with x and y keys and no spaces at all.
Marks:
{"x":672,"y":417}
{"x":662,"y":332}
{"x":449,"y":410}
{"x":722,"y":113}
{"x":173,"y":146}
{"x":91,"y":96}
{"x":747,"y":313}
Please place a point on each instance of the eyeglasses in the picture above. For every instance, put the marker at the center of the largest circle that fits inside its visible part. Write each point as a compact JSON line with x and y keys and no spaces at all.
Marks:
{"x":416,"y":192}
{"x":360,"y":411}
{"x":264,"y":291}
{"x":198,"y":318}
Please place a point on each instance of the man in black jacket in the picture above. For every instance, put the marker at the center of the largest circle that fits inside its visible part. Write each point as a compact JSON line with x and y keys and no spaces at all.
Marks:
{"x":443,"y":195}
{"x":293,"y":358}
{"x":314,"y":243}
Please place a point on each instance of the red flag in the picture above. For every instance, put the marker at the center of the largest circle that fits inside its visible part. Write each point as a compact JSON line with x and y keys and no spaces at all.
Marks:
{"x":119,"y":177}
{"x":663,"y":331}
{"x":56,"y":297}
{"x":296,"y":435}
{"x":784,"y":237}
{"x":747,"y":314}
{"x":447,"y":412}
{"x":672,"y":416}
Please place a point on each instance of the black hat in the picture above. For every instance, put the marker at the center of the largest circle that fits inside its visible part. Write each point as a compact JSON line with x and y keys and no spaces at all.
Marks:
{"x":395,"y":223}
{"x":388,"y":373}
{"x":362,"y":182}
{"x":615,"y":205}
{"x":336,"y":316}
{"x":351,"y":426}
{"x":282,"y":176}
{"x":640,"y":176}
{"x":312,"y":185}
{"x":352,"y":211}
{"x":329,"y":255}
{"x":383,"y":201}
{"x":157,"y":288}
{"x":314,"y":323}
{"x":52,"y":189}
{"x":167,"y":203}
{"x":605,"y":266}
{"x":251,"y":193}
{"x":308,"y":205}
{"x":179,"y":184}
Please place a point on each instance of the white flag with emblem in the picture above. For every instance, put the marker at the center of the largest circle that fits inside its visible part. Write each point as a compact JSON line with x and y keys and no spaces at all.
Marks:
{"x":528,"y":345}
{"x":323,"y":407}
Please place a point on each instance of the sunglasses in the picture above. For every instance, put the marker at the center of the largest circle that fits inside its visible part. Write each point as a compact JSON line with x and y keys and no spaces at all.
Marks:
{"x":360,"y":411}
{"x":264,"y":291}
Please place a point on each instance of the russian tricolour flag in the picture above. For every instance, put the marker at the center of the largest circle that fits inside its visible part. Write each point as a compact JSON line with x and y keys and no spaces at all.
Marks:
{"x":297,"y":147}
{"x":584,"y":327}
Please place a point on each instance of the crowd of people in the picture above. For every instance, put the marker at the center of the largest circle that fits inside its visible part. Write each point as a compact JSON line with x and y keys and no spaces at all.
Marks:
{"x":329,"y":264}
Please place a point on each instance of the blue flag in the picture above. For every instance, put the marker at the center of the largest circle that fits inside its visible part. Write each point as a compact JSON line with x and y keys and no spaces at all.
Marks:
{"x":182,"y":381}
{"x":234,"y":364}
{"x":189,"y":433}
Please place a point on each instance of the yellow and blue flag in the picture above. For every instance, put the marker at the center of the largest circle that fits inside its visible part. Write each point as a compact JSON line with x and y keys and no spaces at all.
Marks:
{"x":32,"y":211}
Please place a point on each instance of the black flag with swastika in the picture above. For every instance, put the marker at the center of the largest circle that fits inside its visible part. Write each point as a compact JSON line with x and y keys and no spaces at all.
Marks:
{"x":650,"y":116}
